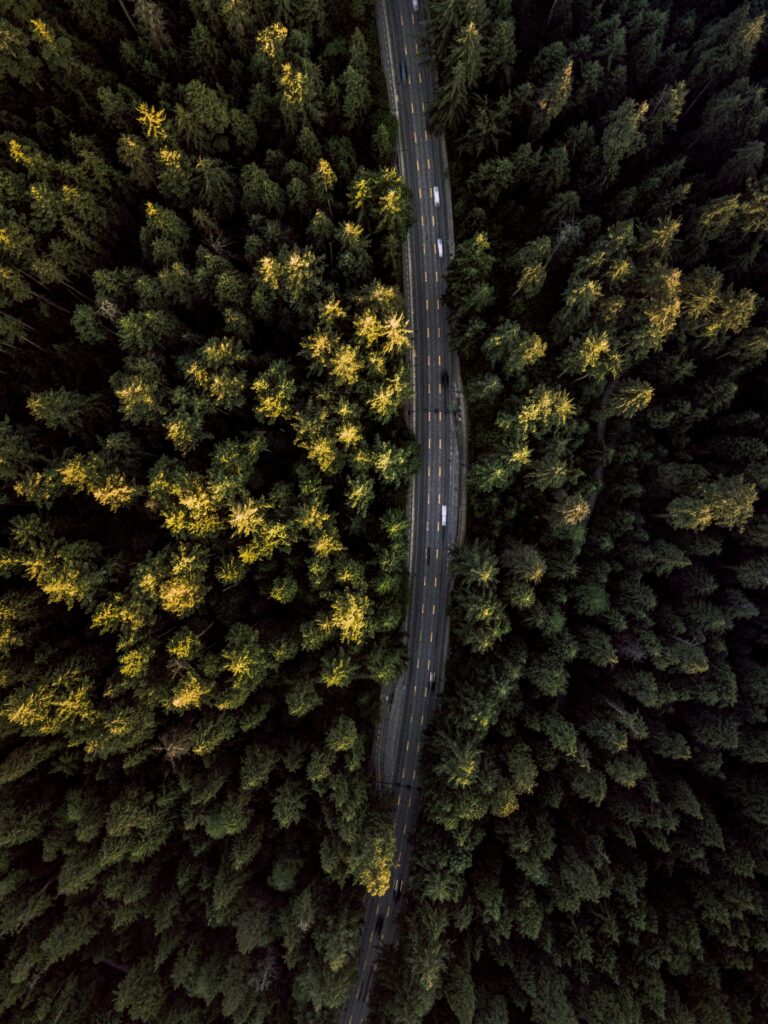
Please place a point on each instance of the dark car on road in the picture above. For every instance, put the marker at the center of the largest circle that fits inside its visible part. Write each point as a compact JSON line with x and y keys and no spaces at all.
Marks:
{"x":379,"y":924}
{"x":403,"y":71}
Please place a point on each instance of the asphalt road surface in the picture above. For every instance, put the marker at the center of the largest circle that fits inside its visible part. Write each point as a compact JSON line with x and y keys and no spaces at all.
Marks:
{"x":434,"y":503}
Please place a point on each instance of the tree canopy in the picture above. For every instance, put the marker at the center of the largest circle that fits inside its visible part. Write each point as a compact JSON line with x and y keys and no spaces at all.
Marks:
{"x":204,"y":465}
{"x":594,"y":837}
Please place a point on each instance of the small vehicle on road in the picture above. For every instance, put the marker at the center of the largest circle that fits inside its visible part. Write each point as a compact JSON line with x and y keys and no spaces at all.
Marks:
{"x":379,"y":924}
{"x":444,"y":378}
{"x":436,"y":195}
{"x":415,"y":4}
{"x":444,"y":515}
{"x":403,"y":71}
{"x":429,"y":551}
{"x":440,"y":248}
{"x":432,"y":681}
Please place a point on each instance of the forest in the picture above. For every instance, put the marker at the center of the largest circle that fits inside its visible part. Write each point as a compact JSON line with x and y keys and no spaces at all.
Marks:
{"x":594,"y":842}
{"x":205,"y":465}
{"x":204,"y":468}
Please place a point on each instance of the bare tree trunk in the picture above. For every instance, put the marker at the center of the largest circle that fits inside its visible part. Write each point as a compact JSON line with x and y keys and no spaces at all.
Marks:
{"x":605,"y":398}
{"x":123,"y":968}
{"x":131,"y":22}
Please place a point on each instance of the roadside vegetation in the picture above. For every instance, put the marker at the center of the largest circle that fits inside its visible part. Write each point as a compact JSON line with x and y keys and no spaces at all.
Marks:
{"x":203,"y":466}
{"x":594,"y":837}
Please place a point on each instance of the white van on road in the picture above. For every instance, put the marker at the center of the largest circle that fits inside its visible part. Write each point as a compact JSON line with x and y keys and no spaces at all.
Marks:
{"x":436,"y":195}
{"x":444,"y":516}
{"x":440,"y":248}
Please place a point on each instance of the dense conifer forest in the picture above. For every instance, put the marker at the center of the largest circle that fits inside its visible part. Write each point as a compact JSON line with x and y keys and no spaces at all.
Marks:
{"x":204,"y":467}
{"x":204,"y":470}
{"x":594,"y":844}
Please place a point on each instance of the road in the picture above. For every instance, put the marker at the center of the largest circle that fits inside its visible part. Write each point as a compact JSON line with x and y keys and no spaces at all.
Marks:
{"x":435,"y":416}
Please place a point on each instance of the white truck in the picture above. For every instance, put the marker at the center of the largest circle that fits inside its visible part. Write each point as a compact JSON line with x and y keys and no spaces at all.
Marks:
{"x":444,"y":515}
{"x":436,"y":195}
{"x":440,"y":248}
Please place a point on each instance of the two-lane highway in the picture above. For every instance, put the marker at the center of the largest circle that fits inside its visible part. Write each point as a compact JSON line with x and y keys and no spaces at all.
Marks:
{"x":434,"y":504}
